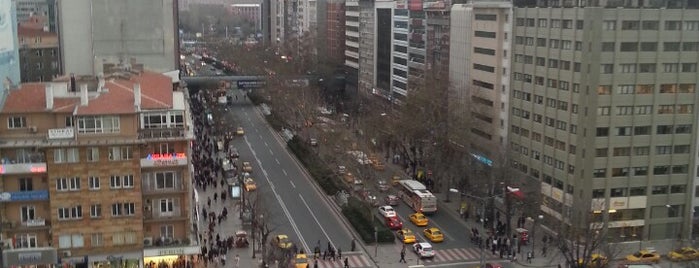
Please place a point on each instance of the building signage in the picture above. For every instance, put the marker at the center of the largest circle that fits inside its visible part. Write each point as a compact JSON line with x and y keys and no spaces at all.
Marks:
{"x":61,"y":133}
{"x":246,"y":84}
{"x":483,"y":159}
{"x":36,"y":195}
{"x":152,"y":252}
{"x":28,"y":257}
{"x":23,"y":168}
{"x":166,"y":156}
{"x":164,"y":160}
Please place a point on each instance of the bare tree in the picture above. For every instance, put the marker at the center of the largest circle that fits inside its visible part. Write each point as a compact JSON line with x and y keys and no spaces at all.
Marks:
{"x":582,"y":235}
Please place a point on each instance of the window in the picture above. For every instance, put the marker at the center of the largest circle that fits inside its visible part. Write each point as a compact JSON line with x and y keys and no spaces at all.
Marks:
{"x":115,"y":182}
{"x":542,"y":23}
{"x":682,"y":129}
{"x":70,"y":241}
{"x":663,"y":149}
{"x":123,"y":209}
{"x":167,"y":206}
{"x":165,"y":180}
{"x":604,"y":90}
{"x":641,"y":150}
{"x":95,"y":211}
{"x":482,"y":84}
{"x":76,"y":212}
{"x":66,"y":155}
{"x":630,"y":25}
{"x":625,"y":89}
{"x":98,"y":124}
{"x":646,"y":67}
{"x":678,"y":189}
{"x":671,"y":46}
{"x":650,"y":25}
{"x":617,"y":192}
{"x":681,"y":149}
{"x":604,"y":110}
{"x":691,"y":25}
{"x":579,"y":24}
{"x":553,"y":63}
{"x":623,"y":131}
{"x":628,"y":47}
{"x":26,"y":241}
{"x":487,"y":51}
{"x":484,"y":34}
{"x":679,"y":169}
{"x":686,"y":88}
{"x":120,"y":153}
{"x":641,"y":130}
{"x":16,"y":122}
{"x":599,"y":173}
{"x":602,"y":132}
{"x":645,"y":89}
{"x":598,"y":193}
{"x":608,"y":46}
{"x":93,"y":154}
{"x":93,"y":182}
{"x":666,"y":109}
{"x":660,"y":189}
{"x":649,"y":46}
{"x":640,"y":171}
{"x":167,"y":231}
{"x":690,"y":46}
{"x":689,"y":67}
{"x":96,"y":240}
{"x":530,"y":22}
{"x":622,"y":151}
{"x":661,"y":170}
{"x":624,"y":110}
{"x":684,"y":108}
{"x":540,"y":61}
{"x":554,"y":43}
{"x":627,"y":68}
{"x":671,"y":67}
{"x":601,"y":152}
{"x":608,"y":68}
{"x":541,"y":42}
{"x":484,"y":68}
{"x":664,"y":129}
{"x":124,"y":238}
{"x":673,"y":25}
{"x":609,"y":25}
{"x":620,"y":172}
{"x":127,"y":181}
{"x":578,"y":46}
{"x":555,"y":23}
{"x":489,"y":17}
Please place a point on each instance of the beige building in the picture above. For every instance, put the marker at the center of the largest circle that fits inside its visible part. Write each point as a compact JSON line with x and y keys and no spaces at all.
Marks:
{"x":602,"y":113}
{"x":478,"y":71}
{"x":96,"y":171}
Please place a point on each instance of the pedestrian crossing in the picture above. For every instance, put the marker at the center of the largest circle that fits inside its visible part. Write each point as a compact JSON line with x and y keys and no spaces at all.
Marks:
{"x":460,"y":254}
{"x":354,"y":261}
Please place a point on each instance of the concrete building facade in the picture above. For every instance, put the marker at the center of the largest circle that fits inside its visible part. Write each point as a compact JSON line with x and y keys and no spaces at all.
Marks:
{"x":42,"y":8}
{"x":93,"y":32}
{"x":39,"y":56}
{"x":478,"y":71}
{"x":602,"y":113}
{"x":97,"y":171}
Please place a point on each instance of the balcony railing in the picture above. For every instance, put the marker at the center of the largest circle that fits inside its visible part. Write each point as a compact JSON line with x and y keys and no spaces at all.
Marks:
{"x":151,"y":187}
{"x":25,"y":225}
{"x":158,"y":215}
{"x":161,"y":133}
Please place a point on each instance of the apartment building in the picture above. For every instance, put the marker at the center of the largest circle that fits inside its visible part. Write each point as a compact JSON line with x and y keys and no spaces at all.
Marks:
{"x":96,"y":171}
{"x":39,"y":58}
{"x":478,"y":71}
{"x":602,"y":113}
{"x":42,"y":8}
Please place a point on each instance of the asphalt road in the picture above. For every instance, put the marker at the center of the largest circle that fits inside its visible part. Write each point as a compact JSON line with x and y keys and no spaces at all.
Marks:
{"x":292,"y":205}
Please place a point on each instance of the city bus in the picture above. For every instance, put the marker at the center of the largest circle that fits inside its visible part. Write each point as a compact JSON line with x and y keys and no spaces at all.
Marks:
{"x":416,"y":195}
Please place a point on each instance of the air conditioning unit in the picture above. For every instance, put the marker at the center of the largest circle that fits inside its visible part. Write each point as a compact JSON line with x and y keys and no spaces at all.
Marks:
{"x":148,"y":241}
{"x":32,"y":129}
{"x":66,"y":253}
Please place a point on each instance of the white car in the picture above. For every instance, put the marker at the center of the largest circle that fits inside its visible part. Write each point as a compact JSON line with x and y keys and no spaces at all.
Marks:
{"x":424,"y":250}
{"x":387,"y":211}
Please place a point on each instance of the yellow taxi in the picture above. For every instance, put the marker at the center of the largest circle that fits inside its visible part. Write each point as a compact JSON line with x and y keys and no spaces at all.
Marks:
{"x":596,"y":261}
{"x":644,"y":256}
{"x":301,"y":261}
{"x":683,"y":254}
{"x":419,"y":219}
{"x":247,"y":167}
{"x":433,"y":234}
{"x":250,"y":184}
{"x":406,"y":236}
{"x":281,"y":241}
{"x":240,"y":131}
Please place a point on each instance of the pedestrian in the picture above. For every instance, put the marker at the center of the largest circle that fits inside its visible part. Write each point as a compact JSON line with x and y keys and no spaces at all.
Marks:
{"x":529,"y":256}
{"x":339,"y":253}
{"x":346,"y":262}
{"x":353,"y":245}
{"x":402,"y":257}
{"x":543,"y":251}
{"x":223,"y":260}
{"x":237,"y":261}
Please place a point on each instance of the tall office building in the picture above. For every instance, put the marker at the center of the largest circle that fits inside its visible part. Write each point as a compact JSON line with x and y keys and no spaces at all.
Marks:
{"x":93,"y":32}
{"x":478,"y":71}
{"x":351,"y":56}
{"x":42,"y":8}
{"x":602,"y":113}
{"x":9,"y":49}
{"x":96,"y":172}
{"x":334,"y":28}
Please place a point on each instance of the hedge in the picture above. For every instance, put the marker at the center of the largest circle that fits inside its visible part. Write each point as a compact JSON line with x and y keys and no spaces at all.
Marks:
{"x":359,"y":215}
{"x":315,"y":166}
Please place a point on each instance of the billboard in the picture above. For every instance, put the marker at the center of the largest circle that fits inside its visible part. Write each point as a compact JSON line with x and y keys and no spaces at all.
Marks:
{"x":9,"y":48}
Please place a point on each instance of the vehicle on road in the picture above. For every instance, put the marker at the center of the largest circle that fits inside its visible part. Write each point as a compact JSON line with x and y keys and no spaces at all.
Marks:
{"x":406,"y":235}
{"x":247,"y":167}
{"x":382,"y":185}
{"x":281,"y":241}
{"x":596,"y":261}
{"x":387,"y":211}
{"x":395,"y":180}
{"x":423,"y":250}
{"x":341,"y":169}
{"x":241,"y":239}
{"x":419,"y":219}
{"x":416,"y":195}
{"x":301,"y":261}
{"x":391,"y":200}
{"x":250,"y":184}
{"x":314,"y":142}
{"x":240,"y":131}
{"x":642,"y":256}
{"x":394,"y":223}
{"x":433,"y":234}
{"x":233,"y":152}
{"x":683,"y":254}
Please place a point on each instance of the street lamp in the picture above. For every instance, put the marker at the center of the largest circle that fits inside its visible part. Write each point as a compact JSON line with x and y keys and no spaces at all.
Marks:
{"x":262,"y":243}
{"x":679,"y":231}
{"x":533,"y":238}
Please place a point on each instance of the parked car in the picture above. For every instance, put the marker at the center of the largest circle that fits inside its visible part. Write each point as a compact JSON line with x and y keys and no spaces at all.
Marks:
{"x":314,"y":142}
{"x":387,"y":211}
{"x":596,"y":261}
{"x":250,"y":184}
{"x":247,"y":167}
{"x":423,"y":250}
{"x":240,"y":131}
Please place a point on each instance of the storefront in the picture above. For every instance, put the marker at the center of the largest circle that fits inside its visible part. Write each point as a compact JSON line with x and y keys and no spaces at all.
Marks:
{"x":29,"y":257}
{"x":73,"y":262}
{"x":170,"y":257}
{"x":116,"y":260}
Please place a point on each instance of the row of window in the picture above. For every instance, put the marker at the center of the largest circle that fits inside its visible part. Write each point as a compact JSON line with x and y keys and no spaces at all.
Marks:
{"x":640,"y":171}
{"x":110,"y":123}
{"x":639,"y":191}
{"x":92,"y":154}
{"x":67,"y":241}
{"x":646,"y":89}
{"x":650,"y":46}
{"x":552,"y":43}
{"x":645,"y":130}
{"x":643,"y":150}
{"x":652,"y":25}
{"x":552,"y":23}
{"x":647,"y":109}
{"x":76,"y":212}
{"x":94,"y":183}
{"x":630,"y":68}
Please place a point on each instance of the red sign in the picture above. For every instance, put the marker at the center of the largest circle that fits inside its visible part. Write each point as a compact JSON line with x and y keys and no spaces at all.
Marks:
{"x":166,"y":156}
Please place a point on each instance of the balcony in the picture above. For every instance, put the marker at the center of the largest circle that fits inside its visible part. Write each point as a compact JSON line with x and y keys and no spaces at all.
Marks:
{"x":36,"y":164}
{"x":164,"y":160}
{"x":162,"y":133}
{"x":175,"y":214}
{"x":24,"y":196}
{"x":150,"y":186}
{"x":34,"y":224}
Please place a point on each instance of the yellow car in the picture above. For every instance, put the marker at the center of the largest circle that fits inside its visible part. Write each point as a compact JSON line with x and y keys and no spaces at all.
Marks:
{"x":644,"y":256}
{"x":250,"y":184}
{"x":683,"y":254}
{"x":419,"y":219}
{"x":301,"y":261}
{"x":247,"y":167}
{"x":596,"y":261}
{"x":406,"y":236}
{"x":240,"y":131}
{"x":281,"y":241}
{"x":433,"y":234}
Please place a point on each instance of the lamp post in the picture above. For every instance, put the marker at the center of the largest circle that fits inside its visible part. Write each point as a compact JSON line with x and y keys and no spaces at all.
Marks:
{"x":263,"y":243}
{"x":254,"y":225}
{"x":679,"y":231}
{"x":533,"y":238}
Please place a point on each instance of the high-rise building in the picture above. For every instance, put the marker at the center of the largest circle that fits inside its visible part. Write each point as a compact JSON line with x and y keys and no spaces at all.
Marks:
{"x":96,"y":31}
{"x":351,"y":56}
{"x":9,"y":49}
{"x":478,"y":65}
{"x":39,"y":54}
{"x":96,"y":171}
{"x":333,"y":33}
{"x":602,"y":113}
{"x":42,"y":8}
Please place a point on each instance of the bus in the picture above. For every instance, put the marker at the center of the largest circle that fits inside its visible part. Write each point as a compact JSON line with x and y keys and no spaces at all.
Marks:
{"x":416,"y":195}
